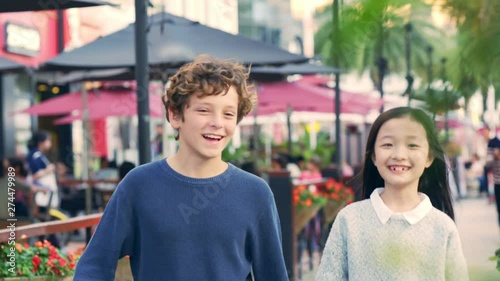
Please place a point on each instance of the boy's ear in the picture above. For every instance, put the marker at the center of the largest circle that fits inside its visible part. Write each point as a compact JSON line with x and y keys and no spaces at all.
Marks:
{"x":174,"y":118}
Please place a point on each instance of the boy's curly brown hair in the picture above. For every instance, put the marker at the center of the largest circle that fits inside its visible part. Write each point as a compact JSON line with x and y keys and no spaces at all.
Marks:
{"x":207,"y":76}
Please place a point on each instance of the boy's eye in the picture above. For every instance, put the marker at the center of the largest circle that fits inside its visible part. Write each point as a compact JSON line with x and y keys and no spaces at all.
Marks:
{"x":202,"y":110}
{"x":412,"y":145}
{"x":229,"y":114}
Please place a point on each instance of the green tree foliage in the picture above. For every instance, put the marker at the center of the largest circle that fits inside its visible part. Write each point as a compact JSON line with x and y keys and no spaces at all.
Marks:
{"x":373,"y":28}
{"x":474,"y":64}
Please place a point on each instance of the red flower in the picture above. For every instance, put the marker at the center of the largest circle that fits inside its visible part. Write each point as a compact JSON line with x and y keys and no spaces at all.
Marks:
{"x":36,"y":263}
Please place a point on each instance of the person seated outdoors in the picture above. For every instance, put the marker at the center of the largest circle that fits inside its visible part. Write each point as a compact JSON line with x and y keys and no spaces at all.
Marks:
{"x":13,"y":179}
{"x":125,"y":167}
{"x":250,"y":167}
{"x":313,"y":171}
{"x":108,"y":171}
{"x":72,"y":198}
{"x":292,"y":167}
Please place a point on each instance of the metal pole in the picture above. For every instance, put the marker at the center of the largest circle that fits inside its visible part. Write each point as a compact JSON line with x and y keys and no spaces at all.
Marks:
{"x":409,"y":77}
{"x":289,"y":127}
{"x":429,"y":67}
{"x":430,"y":93}
{"x":60,"y":31}
{"x":443,"y":62}
{"x":335,"y":55}
{"x":142,"y":78}
{"x":85,"y":151}
{"x":381,"y":64}
{"x":33,"y":91}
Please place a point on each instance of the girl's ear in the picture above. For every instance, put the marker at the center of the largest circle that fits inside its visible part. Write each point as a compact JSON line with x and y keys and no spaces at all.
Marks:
{"x":373,"y":158}
{"x":430,"y":159}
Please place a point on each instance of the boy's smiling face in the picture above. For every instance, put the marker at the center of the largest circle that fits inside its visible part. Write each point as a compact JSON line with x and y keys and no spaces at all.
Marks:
{"x":208,"y":125}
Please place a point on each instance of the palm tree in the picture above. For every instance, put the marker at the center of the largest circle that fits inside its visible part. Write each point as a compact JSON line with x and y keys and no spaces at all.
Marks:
{"x":477,"y":55}
{"x":374,"y":29}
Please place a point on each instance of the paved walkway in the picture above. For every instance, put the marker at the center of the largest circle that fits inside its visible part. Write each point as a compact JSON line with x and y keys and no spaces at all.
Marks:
{"x":480,"y":234}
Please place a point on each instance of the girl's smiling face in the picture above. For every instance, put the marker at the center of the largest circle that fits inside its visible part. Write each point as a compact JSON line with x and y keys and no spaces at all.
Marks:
{"x":401,"y":153}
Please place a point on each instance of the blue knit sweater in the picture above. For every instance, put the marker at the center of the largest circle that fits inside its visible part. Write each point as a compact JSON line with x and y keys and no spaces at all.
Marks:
{"x":186,"y":229}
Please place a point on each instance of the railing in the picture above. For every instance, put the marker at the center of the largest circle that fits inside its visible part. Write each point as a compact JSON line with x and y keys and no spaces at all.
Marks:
{"x":44,"y":228}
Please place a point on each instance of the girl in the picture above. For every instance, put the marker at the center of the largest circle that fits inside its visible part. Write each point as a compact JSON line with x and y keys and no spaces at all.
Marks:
{"x":404,"y":230}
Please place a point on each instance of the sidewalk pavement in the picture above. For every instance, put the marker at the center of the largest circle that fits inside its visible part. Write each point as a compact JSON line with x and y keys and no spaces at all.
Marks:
{"x":480,"y":234}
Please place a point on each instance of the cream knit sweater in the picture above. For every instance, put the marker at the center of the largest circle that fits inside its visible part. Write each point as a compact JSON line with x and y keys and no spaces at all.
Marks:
{"x":360,"y":247}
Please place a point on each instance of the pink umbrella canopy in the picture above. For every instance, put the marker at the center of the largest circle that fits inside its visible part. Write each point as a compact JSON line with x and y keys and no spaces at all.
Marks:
{"x":100,"y":103}
{"x":302,"y":95}
{"x":452,"y":124}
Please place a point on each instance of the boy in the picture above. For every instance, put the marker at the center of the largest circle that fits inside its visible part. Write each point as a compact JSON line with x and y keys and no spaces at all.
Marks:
{"x":193,"y":216}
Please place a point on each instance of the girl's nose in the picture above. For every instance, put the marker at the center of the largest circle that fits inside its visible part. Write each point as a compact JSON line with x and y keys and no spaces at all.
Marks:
{"x":399,"y":153}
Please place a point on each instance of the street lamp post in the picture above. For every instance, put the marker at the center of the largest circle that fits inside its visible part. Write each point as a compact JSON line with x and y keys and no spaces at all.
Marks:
{"x":430,"y":93}
{"x":142,"y":78}
{"x":429,"y":67}
{"x":409,"y":76}
{"x":335,"y":55}
{"x":381,"y":63}
{"x":445,"y":84}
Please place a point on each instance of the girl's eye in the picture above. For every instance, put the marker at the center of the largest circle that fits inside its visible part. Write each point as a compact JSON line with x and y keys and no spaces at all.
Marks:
{"x":386,"y":145}
{"x":202,"y":110}
{"x":412,"y":145}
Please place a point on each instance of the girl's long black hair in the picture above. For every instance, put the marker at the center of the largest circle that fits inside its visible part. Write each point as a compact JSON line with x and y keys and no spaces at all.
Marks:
{"x":434,"y":180}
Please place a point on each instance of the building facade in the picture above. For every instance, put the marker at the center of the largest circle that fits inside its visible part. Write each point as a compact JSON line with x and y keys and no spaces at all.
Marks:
{"x":31,"y":38}
{"x":271,"y":21}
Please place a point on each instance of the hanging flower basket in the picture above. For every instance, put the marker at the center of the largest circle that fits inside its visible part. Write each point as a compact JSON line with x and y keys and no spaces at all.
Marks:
{"x":303,"y":216}
{"x":338,"y":196}
{"x":331,"y":209}
{"x":307,"y":203}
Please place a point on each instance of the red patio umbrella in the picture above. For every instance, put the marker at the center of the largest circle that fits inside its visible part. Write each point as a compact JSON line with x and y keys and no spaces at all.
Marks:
{"x":452,"y":124}
{"x":304,"y":96}
{"x":101,"y":104}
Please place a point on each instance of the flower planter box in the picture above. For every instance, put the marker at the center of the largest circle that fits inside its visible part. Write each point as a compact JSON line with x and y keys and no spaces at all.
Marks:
{"x":331,"y":209}
{"x":302,"y":216}
{"x":37,"y":278}
{"x":123,"y":273}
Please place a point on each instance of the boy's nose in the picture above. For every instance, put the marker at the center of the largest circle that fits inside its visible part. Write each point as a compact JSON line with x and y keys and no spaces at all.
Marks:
{"x":216,"y":121}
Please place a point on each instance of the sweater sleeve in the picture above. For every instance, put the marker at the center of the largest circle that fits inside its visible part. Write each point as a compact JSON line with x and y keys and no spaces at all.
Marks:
{"x":333,"y":264}
{"x":112,"y":240}
{"x":456,"y":267}
{"x":266,"y":250}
